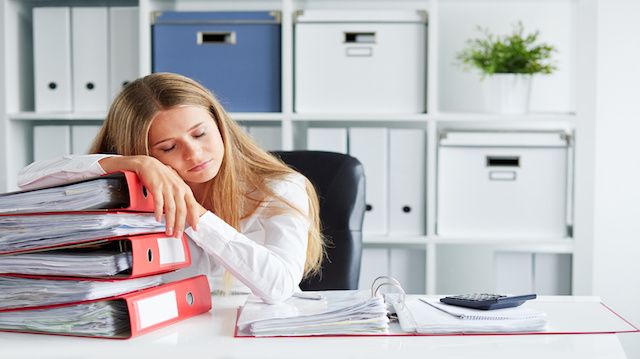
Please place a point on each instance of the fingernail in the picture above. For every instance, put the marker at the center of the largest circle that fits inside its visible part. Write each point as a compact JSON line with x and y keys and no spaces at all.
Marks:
{"x":178,"y":234}
{"x":169,"y":231}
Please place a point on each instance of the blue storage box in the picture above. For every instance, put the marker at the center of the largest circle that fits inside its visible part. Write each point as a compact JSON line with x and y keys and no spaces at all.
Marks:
{"x":234,"y":54}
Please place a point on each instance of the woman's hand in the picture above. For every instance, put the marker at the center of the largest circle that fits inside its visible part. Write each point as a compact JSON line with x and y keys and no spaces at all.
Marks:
{"x":171,"y":194}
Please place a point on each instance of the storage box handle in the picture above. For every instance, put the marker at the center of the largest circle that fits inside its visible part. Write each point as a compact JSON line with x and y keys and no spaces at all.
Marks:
{"x":359,"y":37}
{"x":503,"y":161}
{"x":216,"y":37}
{"x":356,"y":51}
{"x":502,"y":175}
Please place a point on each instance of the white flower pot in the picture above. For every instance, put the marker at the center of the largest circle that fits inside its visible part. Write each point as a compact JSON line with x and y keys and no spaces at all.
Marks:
{"x":507,"y":93}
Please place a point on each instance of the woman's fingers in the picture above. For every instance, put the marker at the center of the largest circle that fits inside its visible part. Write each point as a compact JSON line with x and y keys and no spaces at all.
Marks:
{"x":181,"y":213}
{"x":171,"y":196}
{"x":169,"y":212}
{"x":194,"y":212}
{"x":158,"y":205}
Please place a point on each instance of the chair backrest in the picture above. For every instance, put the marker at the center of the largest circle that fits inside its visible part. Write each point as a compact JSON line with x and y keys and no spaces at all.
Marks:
{"x":340,"y":183}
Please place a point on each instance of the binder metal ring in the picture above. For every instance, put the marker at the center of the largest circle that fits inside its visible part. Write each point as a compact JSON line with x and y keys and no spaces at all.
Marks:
{"x":383,"y":277}
{"x":391,"y":282}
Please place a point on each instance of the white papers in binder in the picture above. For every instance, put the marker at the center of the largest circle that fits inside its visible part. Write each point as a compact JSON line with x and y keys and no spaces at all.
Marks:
{"x":16,"y":292}
{"x":105,"y":319}
{"x":67,"y":263}
{"x":98,"y":193}
{"x":338,"y":312}
{"x":70,"y":228}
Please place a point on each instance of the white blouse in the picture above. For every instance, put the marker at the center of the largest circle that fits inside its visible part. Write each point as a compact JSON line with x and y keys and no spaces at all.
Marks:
{"x":266,"y":256}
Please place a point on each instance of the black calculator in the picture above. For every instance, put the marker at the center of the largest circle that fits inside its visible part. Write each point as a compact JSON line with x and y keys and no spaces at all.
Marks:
{"x":486,"y":301}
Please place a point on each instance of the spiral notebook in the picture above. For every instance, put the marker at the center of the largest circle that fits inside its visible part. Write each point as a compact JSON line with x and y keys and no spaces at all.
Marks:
{"x":517,"y":313}
{"x":429,"y":316}
{"x":373,"y":313}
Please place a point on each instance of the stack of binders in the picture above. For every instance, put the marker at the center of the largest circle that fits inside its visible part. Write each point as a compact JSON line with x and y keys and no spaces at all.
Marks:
{"x":86,"y":259}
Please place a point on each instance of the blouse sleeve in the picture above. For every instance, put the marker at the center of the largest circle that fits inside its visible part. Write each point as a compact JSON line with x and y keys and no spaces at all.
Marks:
{"x":60,"y":170}
{"x":271,"y":270}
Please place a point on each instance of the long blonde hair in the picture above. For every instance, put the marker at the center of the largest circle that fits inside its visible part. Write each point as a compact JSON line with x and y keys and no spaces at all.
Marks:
{"x":245,"y":167}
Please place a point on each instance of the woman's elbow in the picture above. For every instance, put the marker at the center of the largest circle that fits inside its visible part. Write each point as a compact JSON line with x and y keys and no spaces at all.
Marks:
{"x":273,"y":297}
{"x":280,"y":291}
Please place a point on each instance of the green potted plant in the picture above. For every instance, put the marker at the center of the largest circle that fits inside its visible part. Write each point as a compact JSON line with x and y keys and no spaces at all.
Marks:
{"x":507,"y":64}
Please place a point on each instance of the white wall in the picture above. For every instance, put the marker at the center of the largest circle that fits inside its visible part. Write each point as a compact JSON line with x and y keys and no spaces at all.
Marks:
{"x":617,"y":162}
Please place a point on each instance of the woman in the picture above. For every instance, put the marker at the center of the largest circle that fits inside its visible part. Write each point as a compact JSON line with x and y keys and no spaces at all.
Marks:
{"x":245,"y":212}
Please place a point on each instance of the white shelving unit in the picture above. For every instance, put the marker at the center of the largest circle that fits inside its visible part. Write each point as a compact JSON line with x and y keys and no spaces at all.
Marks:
{"x":452,"y":97}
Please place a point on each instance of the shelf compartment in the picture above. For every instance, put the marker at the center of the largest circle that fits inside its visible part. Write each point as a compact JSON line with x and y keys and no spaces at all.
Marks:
{"x":531,"y":244}
{"x":56,"y":116}
{"x":35,"y":116}
{"x":377,"y":117}
{"x":495,"y":117}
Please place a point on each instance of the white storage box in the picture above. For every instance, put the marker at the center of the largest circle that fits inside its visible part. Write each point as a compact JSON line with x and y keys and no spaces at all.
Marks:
{"x":502,"y":184}
{"x":364,"y":61}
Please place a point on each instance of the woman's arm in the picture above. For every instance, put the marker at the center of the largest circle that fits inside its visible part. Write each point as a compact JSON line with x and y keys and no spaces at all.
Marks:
{"x":272,"y":270}
{"x":171,"y":194}
{"x":60,"y":170}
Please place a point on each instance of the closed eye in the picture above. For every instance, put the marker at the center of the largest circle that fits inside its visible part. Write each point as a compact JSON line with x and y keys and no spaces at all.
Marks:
{"x":200,"y":134}
{"x":168,"y":149}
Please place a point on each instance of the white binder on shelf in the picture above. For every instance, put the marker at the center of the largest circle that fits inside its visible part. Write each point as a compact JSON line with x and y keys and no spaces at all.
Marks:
{"x":123,"y":47}
{"x":327,"y":139}
{"x":268,"y":137}
{"x":82,"y":137}
{"x":50,"y":141}
{"x":407,"y":181}
{"x":370,"y":147}
{"x":52,"y":59}
{"x":90,"y":41}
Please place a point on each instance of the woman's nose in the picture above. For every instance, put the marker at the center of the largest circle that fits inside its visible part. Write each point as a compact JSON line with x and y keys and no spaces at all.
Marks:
{"x":192,"y":150}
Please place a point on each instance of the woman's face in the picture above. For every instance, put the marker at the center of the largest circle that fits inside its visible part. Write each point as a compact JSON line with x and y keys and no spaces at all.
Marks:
{"x":187,"y":139}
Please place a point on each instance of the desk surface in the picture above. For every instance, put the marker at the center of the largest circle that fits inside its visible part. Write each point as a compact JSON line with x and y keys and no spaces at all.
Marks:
{"x":211,"y":336}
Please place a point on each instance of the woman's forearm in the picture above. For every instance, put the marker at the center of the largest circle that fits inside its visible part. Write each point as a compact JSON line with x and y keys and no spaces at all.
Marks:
{"x":123,"y":163}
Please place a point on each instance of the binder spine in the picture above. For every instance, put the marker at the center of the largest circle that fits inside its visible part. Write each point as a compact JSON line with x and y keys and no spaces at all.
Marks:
{"x":167,"y":304}
{"x":157,"y":253}
{"x":140,"y":199}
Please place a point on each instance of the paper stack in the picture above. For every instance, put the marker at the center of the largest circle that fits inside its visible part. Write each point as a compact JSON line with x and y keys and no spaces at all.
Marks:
{"x":91,"y":273}
{"x":108,"y":192}
{"x":331,"y":313}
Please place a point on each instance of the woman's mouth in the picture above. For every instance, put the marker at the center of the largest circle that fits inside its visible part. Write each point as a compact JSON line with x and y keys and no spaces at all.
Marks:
{"x":200,"y":166}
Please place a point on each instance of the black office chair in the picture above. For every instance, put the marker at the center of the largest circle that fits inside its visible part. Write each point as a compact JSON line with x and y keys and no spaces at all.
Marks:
{"x":339,"y":181}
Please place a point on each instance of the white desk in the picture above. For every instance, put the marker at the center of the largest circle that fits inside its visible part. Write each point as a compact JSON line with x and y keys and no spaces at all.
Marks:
{"x":211,"y":336}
